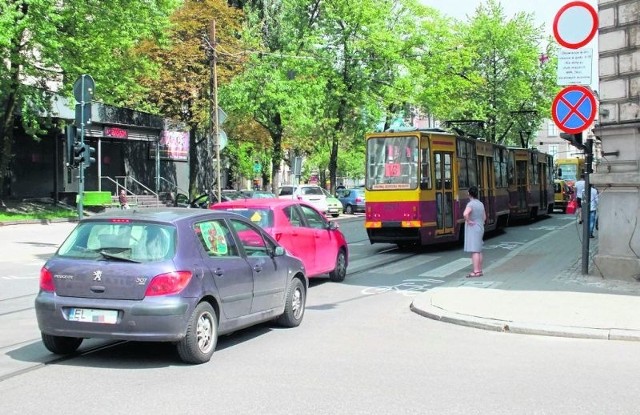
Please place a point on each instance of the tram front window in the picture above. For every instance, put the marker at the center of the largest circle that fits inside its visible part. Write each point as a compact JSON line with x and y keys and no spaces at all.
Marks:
{"x":392,"y":163}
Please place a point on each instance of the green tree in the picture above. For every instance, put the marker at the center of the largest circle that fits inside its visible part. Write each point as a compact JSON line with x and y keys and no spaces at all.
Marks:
{"x":370,"y":65}
{"x":494,"y":74}
{"x":182,"y":85}
{"x":46,"y":44}
{"x":280,"y":88}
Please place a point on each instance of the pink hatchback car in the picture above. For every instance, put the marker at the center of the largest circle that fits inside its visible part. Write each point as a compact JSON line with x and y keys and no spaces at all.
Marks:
{"x":301,"y":229}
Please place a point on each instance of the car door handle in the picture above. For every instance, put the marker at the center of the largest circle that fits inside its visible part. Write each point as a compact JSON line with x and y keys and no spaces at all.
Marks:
{"x":257,"y":268}
{"x":218,"y":272}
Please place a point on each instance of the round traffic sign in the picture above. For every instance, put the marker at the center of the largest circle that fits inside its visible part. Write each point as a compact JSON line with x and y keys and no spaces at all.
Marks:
{"x":575,"y":24}
{"x":574,"y":109}
{"x":84,"y":88}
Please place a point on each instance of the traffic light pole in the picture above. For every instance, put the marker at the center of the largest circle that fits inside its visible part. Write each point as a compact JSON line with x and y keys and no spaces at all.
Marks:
{"x":586,"y":206}
{"x":81,"y":166}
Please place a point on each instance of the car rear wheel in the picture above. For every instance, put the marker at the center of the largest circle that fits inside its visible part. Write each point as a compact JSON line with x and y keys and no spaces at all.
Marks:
{"x":294,"y":307}
{"x":340,"y":271}
{"x":60,"y":344}
{"x":348,"y":210}
{"x":202,"y":335}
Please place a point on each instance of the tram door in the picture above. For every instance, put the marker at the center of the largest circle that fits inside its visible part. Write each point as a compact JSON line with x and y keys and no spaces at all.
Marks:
{"x":443,"y":166}
{"x":486,"y":187}
{"x":542,"y":171}
{"x":521,"y":183}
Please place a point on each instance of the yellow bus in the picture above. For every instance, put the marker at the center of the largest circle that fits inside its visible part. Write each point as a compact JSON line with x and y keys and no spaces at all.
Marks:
{"x":569,"y":170}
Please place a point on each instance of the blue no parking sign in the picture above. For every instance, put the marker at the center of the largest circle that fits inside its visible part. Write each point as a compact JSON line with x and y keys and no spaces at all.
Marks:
{"x":574,"y":109}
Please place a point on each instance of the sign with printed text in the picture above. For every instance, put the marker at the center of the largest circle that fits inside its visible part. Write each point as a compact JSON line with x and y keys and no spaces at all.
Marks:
{"x":575,"y":66}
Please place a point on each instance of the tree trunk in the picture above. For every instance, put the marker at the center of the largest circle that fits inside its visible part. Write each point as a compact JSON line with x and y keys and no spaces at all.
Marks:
{"x":276,"y":151}
{"x":6,"y":127}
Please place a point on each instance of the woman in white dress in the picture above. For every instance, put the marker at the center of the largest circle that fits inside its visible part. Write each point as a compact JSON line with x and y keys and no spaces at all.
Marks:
{"x":474,"y":219}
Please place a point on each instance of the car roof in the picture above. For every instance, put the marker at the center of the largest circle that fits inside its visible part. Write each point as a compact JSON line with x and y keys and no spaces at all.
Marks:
{"x":259,"y":203}
{"x":166,"y":215}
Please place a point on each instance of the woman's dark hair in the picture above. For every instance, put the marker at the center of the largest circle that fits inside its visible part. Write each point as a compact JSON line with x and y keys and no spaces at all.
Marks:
{"x":473,"y":192}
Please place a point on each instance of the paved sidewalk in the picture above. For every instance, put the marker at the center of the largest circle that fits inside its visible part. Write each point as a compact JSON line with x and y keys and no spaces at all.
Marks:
{"x":539,"y":289}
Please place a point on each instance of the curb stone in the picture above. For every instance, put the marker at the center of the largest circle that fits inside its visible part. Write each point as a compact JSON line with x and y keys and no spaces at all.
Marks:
{"x":484,"y":323}
{"x":37,"y":221}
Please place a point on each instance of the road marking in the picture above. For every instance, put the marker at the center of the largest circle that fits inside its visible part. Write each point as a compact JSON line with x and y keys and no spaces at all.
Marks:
{"x":401,"y":266}
{"x":371,"y":262}
{"x":447,"y":269}
{"x":409,"y":287}
{"x":15,"y":277}
{"x":505,"y":245}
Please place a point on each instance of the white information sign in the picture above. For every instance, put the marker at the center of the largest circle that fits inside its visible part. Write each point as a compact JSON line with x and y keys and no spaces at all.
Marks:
{"x":575,"y":66}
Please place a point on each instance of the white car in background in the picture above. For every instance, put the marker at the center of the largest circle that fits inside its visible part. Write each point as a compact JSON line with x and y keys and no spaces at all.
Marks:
{"x":309,"y":193}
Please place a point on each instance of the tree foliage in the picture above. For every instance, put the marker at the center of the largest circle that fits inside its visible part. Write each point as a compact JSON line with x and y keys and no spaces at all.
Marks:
{"x":46,"y":44}
{"x":494,"y":74}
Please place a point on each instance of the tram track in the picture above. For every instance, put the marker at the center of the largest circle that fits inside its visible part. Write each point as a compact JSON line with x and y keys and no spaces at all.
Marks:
{"x":61,"y":359}
{"x":366,"y":265}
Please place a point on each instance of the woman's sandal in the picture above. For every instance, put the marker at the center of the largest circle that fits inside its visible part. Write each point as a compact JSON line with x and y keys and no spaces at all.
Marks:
{"x":475,"y":274}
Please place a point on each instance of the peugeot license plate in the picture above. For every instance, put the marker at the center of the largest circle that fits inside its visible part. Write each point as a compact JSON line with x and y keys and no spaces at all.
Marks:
{"x":91,"y":315}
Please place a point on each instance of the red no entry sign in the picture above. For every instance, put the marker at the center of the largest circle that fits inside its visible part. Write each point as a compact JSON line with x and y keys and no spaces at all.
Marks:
{"x":574,"y":109}
{"x":575,"y":24}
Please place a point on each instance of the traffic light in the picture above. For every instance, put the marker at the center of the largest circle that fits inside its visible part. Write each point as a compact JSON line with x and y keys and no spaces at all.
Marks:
{"x":87,"y":155}
{"x":70,"y":138}
{"x":78,"y":154}
{"x":574,"y":139}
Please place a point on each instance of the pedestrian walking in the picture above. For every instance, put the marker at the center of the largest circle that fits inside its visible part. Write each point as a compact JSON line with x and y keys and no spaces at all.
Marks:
{"x":579,"y":188}
{"x":122,"y":198}
{"x":593,"y":208}
{"x":474,"y":219}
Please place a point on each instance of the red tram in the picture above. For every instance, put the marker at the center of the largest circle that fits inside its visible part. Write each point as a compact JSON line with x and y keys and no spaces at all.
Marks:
{"x":416,"y":185}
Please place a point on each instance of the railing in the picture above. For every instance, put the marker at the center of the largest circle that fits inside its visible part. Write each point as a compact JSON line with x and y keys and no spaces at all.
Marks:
{"x":118,"y":185}
{"x":141,"y":185}
{"x":126,"y":189}
{"x":174,"y":186}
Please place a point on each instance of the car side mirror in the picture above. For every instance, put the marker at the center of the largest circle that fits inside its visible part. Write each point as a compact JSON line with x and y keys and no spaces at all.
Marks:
{"x":278,"y":251}
{"x":333,"y":226}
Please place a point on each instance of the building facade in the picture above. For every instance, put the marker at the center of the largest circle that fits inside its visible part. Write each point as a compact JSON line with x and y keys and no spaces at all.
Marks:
{"x":617,"y":176}
{"x":126,"y":142}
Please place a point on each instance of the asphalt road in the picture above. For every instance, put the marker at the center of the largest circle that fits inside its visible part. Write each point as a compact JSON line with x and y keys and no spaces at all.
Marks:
{"x":359,"y":350}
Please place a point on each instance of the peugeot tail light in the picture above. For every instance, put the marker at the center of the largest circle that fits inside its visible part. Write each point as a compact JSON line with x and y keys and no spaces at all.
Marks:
{"x":46,"y":280}
{"x":169,"y":283}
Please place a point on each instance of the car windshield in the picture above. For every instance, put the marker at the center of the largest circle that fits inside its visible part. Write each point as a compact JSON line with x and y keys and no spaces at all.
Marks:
{"x":120,"y":240}
{"x":262,"y":217}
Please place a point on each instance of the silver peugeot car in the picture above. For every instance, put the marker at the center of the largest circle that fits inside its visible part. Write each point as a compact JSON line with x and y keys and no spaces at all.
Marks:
{"x":170,"y":275}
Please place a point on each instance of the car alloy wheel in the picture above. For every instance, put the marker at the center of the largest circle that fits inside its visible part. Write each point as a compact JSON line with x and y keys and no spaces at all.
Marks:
{"x":295,"y":305}
{"x":340,"y":271}
{"x":199,"y":343}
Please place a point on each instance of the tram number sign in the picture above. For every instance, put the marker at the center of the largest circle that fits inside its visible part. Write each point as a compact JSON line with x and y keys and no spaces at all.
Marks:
{"x":392,"y":169}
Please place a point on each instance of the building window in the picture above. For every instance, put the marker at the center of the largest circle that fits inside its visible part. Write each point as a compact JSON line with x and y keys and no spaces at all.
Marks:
{"x":553,"y":150}
{"x":552,"y":130}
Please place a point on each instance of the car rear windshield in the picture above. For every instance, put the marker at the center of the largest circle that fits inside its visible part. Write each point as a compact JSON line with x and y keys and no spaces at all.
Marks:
{"x":262,"y":217}
{"x":286,"y":191}
{"x":120,"y":240}
{"x":311,"y":191}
